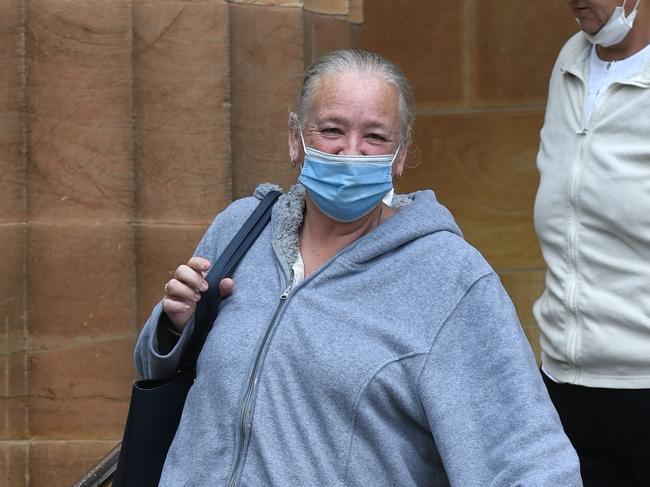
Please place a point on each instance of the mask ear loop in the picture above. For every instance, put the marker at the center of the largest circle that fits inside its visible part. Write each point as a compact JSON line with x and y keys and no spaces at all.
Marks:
{"x":625,"y":16}
{"x":388,"y":198}
{"x":395,"y":155}
{"x":636,"y":8}
{"x":304,"y":146}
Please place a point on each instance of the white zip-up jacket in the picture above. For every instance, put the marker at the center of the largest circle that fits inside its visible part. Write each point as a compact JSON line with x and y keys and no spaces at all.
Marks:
{"x":592,"y":216}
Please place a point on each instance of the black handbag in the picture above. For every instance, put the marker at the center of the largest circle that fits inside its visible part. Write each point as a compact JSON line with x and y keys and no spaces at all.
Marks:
{"x":156,"y":405}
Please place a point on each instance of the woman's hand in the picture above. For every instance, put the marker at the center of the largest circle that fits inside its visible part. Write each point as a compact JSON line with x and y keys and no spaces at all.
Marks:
{"x":183,"y":291}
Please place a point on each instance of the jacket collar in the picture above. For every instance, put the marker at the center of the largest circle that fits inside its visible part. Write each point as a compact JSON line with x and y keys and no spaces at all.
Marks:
{"x":576,"y":63}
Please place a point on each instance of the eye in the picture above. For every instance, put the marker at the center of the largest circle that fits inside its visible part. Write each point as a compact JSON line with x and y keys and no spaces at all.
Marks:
{"x":330,"y":131}
{"x":376,"y":137}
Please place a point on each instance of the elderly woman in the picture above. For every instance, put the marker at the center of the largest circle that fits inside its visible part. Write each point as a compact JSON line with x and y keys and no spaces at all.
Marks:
{"x":364,"y":342}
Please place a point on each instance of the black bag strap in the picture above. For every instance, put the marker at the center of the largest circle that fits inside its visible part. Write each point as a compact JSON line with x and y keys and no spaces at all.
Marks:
{"x":208,"y":305}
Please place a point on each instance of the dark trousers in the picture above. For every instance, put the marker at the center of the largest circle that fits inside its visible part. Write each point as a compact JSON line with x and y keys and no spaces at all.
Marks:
{"x":610,"y":430}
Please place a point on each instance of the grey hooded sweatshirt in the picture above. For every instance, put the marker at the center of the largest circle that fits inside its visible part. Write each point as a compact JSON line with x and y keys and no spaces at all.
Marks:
{"x":400,"y":362}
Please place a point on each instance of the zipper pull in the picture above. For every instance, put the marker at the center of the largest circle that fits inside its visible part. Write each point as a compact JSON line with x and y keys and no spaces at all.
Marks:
{"x":286,"y":292}
{"x":583,"y":131}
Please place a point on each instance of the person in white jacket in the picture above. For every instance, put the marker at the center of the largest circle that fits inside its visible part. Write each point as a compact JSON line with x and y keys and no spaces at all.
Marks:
{"x":592,"y":216}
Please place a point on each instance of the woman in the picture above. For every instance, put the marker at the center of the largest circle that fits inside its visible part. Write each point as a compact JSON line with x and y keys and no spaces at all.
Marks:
{"x":364,"y":341}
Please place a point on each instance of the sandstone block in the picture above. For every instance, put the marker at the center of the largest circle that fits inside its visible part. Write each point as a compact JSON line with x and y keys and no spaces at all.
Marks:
{"x":61,"y":464}
{"x":331,"y":7}
{"x":13,"y":399}
{"x":271,"y":3}
{"x":12,"y":158}
{"x":13,"y":419}
{"x":14,"y":466}
{"x":12,"y":288}
{"x":355,"y":13}
{"x":426,"y":40}
{"x":78,"y":60}
{"x":182,"y":110}
{"x":512,"y":48}
{"x":81,"y":282}
{"x":325,"y":33}
{"x":266,"y":67}
{"x":81,"y":391}
{"x":482,"y":167}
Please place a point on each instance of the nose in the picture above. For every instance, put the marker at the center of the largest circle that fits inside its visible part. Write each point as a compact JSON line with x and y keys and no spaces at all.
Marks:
{"x":352,"y":146}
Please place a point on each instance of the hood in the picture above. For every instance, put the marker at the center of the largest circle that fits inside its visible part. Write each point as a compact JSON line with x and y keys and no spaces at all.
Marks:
{"x":418,"y":214}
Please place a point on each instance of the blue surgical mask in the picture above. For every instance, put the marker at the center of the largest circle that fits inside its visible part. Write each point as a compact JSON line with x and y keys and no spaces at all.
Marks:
{"x":346,"y":187}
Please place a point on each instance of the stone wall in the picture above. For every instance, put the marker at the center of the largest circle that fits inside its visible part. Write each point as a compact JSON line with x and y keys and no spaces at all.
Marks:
{"x":125,"y":125}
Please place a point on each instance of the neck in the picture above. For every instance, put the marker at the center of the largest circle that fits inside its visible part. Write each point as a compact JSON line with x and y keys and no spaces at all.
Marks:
{"x":324,"y":230}
{"x":321,"y":237}
{"x":637,"y":39}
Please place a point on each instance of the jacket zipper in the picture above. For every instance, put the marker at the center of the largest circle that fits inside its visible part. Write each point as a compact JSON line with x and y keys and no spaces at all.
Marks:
{"x":572,"y":290}
{"x":573,"y":254}
{"x":247,"y":407}
{"x":246,"y":412}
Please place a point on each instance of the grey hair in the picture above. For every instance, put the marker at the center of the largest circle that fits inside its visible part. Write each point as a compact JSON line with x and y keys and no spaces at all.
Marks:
{"x":363,"y":62}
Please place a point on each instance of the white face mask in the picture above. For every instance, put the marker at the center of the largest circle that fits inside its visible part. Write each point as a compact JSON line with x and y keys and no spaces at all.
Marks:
{"x":616,"y":28}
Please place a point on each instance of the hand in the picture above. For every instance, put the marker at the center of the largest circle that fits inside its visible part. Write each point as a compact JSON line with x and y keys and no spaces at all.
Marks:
{"x":183,"y":291}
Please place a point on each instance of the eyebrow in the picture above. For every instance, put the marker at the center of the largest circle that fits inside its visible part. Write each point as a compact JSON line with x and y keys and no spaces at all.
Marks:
{"x":377,"y":125}
{"x":331,"y":119}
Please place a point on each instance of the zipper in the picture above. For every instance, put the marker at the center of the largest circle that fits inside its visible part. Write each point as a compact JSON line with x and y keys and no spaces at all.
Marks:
{"x":573,"y":256}
{"x":572,"y":291}
{"x":572,"y":248}
{"x":285,"y":293}
{"x":247,"y":406}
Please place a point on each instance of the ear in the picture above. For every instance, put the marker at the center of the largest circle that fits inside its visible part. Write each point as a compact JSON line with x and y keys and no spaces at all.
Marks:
{"x":295,"y":145}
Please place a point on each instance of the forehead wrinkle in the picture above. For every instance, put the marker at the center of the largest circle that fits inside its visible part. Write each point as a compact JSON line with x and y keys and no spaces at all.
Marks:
{"x":318,"y":119}
{"x":336,"y":119}
{"x":333,"y":103}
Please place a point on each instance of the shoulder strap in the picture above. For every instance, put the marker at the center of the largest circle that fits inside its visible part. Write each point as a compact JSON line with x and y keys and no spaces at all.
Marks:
{"x":207,"y":307}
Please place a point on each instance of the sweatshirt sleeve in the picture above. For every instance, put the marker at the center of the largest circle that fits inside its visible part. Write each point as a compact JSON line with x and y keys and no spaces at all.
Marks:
{"x":486,"y":403}
{"x":150,"y":361}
